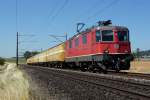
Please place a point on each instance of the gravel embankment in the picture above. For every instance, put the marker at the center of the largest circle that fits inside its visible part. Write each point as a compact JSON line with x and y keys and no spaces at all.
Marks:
{"x":48,"y":85}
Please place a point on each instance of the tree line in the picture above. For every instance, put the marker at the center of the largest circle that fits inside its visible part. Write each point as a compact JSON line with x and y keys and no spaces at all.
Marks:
{"x":29,"y":54}
{"x":140,"y":54}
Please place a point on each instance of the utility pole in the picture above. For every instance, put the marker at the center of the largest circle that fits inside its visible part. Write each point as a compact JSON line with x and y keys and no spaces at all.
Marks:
{"x":18,"y":43}
{"x":17,"y":50}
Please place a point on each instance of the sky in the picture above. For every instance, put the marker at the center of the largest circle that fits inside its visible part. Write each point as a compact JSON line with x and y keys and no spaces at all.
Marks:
{"x":36,"y":20}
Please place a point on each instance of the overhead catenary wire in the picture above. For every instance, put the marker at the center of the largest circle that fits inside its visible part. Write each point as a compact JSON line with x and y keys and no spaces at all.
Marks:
{"x":50,"y":13}
{"x":59,"y":10}
{"x":16,"y":15}
{"x":55,"y":37}
{"x":102,"y":10}
{"x":88,"y":10}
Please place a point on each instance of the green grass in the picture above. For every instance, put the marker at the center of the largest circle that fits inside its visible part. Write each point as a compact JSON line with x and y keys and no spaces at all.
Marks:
{"x":2,"y":61}
{"x":13,"y":60}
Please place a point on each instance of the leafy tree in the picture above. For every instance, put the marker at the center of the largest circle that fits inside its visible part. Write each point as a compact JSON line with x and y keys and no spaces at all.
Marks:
{"x":29,"y":54}
{"x":139,"y":54}
{"x":34,"y":53}
{"x":2,"y":61}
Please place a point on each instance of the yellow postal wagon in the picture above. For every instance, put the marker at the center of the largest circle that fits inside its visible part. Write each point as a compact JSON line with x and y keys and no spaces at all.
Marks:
{"x":54,"y":56}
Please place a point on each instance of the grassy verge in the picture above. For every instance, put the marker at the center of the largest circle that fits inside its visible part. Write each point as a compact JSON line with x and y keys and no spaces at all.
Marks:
{"x":13,"y":84}
{"x":2,"y":61}
{"x":13,"y":60}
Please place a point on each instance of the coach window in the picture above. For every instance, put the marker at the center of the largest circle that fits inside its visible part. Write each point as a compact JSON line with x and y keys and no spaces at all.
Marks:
{"x":107,"y":35}
{"x":98,"y":36}
{"x":84,"y":38}
{"x":70,"y":44}
{"x":76,"y":42}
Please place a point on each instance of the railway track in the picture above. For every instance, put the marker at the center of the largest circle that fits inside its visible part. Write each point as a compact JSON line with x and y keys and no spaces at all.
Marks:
{"x":129,"y":88}
{"x":130,"y":74}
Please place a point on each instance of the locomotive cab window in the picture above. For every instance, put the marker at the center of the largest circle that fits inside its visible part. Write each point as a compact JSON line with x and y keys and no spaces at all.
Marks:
{"x":70,"y":44}
{"x":107,"y":35}
{"x":84,"y":38}
{"x":123,"y":35}
{"x":98,"y":36}
{"x":76,"y":42}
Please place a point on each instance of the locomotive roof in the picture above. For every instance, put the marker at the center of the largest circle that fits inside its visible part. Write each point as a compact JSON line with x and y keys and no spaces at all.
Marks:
{"x":112,"y":28}
{"x":100,"y":28}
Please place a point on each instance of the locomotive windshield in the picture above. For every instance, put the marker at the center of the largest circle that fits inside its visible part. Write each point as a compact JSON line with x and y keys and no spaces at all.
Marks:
{"x":123,"y":35}
{"x":107,"y":35}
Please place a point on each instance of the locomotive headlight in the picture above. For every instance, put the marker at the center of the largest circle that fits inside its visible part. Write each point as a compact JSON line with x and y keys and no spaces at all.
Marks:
{"x":116,"y":46}
{"x":106,"y":51}
{"x":126,"y":51}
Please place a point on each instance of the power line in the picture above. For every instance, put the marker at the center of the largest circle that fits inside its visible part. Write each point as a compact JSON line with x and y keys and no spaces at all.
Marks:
{"x":16,"y":15}
{"x":57,"y":37}
{"x":18,"y":44}
{"x":103,"y":9}
{"x":27,"y":35}
{"x":53,"y":9}
{"x":59,"y":10}
{"x":90,"y":8}
{"x":27,"y":42}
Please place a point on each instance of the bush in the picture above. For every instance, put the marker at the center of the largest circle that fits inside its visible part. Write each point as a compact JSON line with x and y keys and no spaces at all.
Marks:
{"x":2,"y":61}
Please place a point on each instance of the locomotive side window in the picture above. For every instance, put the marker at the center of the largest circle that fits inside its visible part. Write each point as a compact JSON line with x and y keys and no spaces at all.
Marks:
{"x":98,"y":36}
{"x":76,"y":42}
{"x":84,"y":38}
{"x":107,"y":35}
{"x":123,"y":35}
{"x":70,"y":44}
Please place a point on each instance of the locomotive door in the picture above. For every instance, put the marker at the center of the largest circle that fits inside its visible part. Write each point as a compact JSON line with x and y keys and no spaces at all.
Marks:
{"x":93,"y":43}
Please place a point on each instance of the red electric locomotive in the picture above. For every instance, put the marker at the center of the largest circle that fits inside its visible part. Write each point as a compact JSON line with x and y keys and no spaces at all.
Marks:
{"x":101,"y":47}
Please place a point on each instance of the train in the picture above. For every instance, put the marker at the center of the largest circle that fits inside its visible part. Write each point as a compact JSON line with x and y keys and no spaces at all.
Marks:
{"x":100,"y":48}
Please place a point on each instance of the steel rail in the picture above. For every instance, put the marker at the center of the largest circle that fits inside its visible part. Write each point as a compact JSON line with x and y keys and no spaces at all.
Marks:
{"x":85,"y":78}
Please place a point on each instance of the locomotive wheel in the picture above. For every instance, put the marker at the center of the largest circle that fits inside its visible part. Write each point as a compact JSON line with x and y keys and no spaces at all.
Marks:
{"x":117,"y":67}
{"x":102,"y":68}
{"x":105,"y":71}
{"x":90,"y":68}
{"x":117,"y":70}
{"x":94,"y":70}
{"x":83,"y":67}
